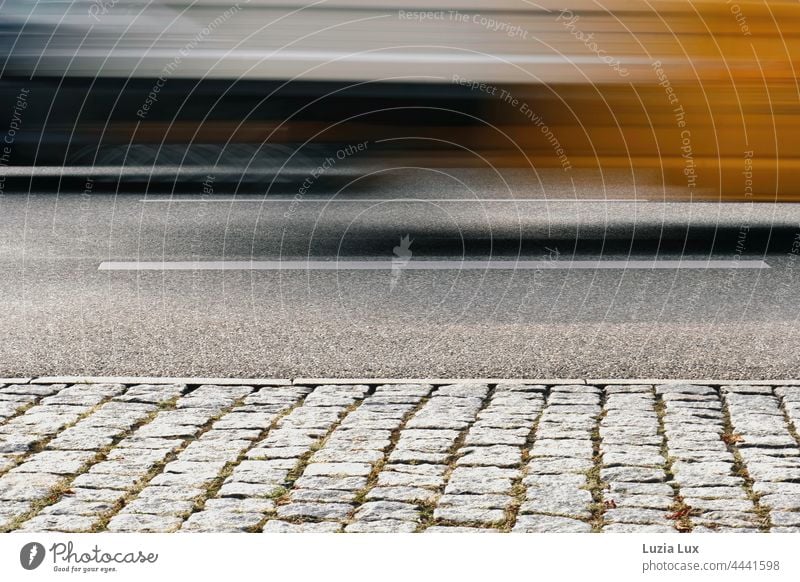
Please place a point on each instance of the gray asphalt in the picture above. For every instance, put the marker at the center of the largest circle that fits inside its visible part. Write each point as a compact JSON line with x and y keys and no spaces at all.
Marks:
{"x":60,"y":314}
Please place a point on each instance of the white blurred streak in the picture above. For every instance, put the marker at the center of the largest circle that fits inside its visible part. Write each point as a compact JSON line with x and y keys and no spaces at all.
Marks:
{"x":356,"y":40}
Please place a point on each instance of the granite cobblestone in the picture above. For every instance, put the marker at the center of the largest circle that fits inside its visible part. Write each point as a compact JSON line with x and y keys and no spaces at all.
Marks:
{"x":630,"y":446}
{"x":557,"y":497}
{"x":398,"y":458}
{"x":704,"y":464}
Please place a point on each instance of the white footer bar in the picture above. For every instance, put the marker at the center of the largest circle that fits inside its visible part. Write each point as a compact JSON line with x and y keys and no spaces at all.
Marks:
{"x":368,"y":557}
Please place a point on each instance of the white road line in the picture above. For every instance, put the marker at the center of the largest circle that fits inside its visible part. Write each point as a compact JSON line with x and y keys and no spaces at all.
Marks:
{"x":422,"y":265}
{"x":284,"y":199}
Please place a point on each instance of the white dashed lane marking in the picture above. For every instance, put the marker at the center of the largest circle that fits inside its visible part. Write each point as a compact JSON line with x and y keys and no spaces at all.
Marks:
{"x":426,"y":265}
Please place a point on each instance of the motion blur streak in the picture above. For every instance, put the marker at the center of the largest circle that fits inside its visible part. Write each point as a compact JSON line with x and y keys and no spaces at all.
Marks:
{"x":700,"y":96}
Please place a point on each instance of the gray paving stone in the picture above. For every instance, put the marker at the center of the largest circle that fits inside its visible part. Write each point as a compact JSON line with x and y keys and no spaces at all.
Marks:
{"x":562,"y":501}
{"x":323,"y":495}
{"x":477,"y":480}
{"x":714,"y":528}
{"x":681,"y":469}
{"x":709,"y":480}
{"x":730,"y":518}
{"x":785,"y":518}
{"x":137,"y":443}
{"x":151,"y":393}
{"x":487,"y":501}
{"x":549,"y":524}
{"x":402,"y":479}
{"x":469,"y":514}
{"x":143,"y":523}
{"x":574,"y":480}
{"x":637,"y":528}
{"x":684,"y":389}
{"x":457,"y":529}
{"x":421,"y":469}
{"x":294,"y":452}
{"x":277,"y":526}
{"x":660,"y":502}
{"x":781,"y":502}
{"x":576,"y":448}
{"x":491,"y":456}
{"x":252,"y":505}
{"x":633,"y":474}
{"x":200,"y":469}
{"x":407,"y":494}
{"x":14,"y":508}
{"x":169,"y":494}
{"x":406,"y":456}
{"x":181,"y":479}
{"x":345,"y":484}
{"x":714,"y":492}
{"x":556,"y":465}
{"x":497,"y":436}
{"x":336,"y":511}
{"x":244,"y":490}
{"x":32,"y":389}
{"x":768,"y":488}
{"x":273,"y":477}
{"x":633,"y":459}
{"x":387,"y":510}
{"x":58,"y":523}
{"x":56,"y":462}
{"x":214,"y":520}
{"x":631,"y":488}
{"x":338,"y":469}
{"x":168,"y":431}
{"x":347,"y":456}
{"x":178,"y":507}
{"x":27,"y":487}
{"x":384,"y":526}
{"x":719,"y":504}
{"x":634,"y":515}
{"x":16,"y":444}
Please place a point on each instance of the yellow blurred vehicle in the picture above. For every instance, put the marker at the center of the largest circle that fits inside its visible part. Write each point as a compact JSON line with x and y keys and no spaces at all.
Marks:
{"x":704,"y":93}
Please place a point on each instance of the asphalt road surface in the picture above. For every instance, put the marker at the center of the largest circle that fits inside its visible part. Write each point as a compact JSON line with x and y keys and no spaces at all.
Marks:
{"x":413,"y":274}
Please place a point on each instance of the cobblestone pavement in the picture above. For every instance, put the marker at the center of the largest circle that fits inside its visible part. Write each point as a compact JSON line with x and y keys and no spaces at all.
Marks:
{"x":474,"y":457}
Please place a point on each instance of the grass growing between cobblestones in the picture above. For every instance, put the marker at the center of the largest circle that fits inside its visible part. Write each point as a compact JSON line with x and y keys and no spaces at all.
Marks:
{"x":594,"y":482}
{"x":283,"y":498}
{"x":394,"y":437}
{"x":277,"y":493}
{"x":681,"y":458}
{"x":730,"y":438}
{"x":64,"y":489}
{"x":54,"y":495}
{"x":102,"y":522}
{"x":229,"y":467}
{"x":20,"y":411}
{"x":518,"y":490}
{"x":426,"y":509}
{"x":427,"y":518}
{"x":25,"y":407}
{"x":41,"y":444}
{"x":679,"y":511}
{"x":793,"y":430}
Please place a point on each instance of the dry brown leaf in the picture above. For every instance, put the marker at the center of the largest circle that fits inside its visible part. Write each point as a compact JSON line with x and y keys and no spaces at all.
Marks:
{"x":731,"y":438}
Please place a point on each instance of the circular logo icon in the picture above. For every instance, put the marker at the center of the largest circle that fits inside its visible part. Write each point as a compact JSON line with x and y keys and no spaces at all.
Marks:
{"x":31,"y":555}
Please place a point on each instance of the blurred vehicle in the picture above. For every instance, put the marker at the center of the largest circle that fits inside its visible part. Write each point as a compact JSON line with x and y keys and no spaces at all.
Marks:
{"x":704,"y":92}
